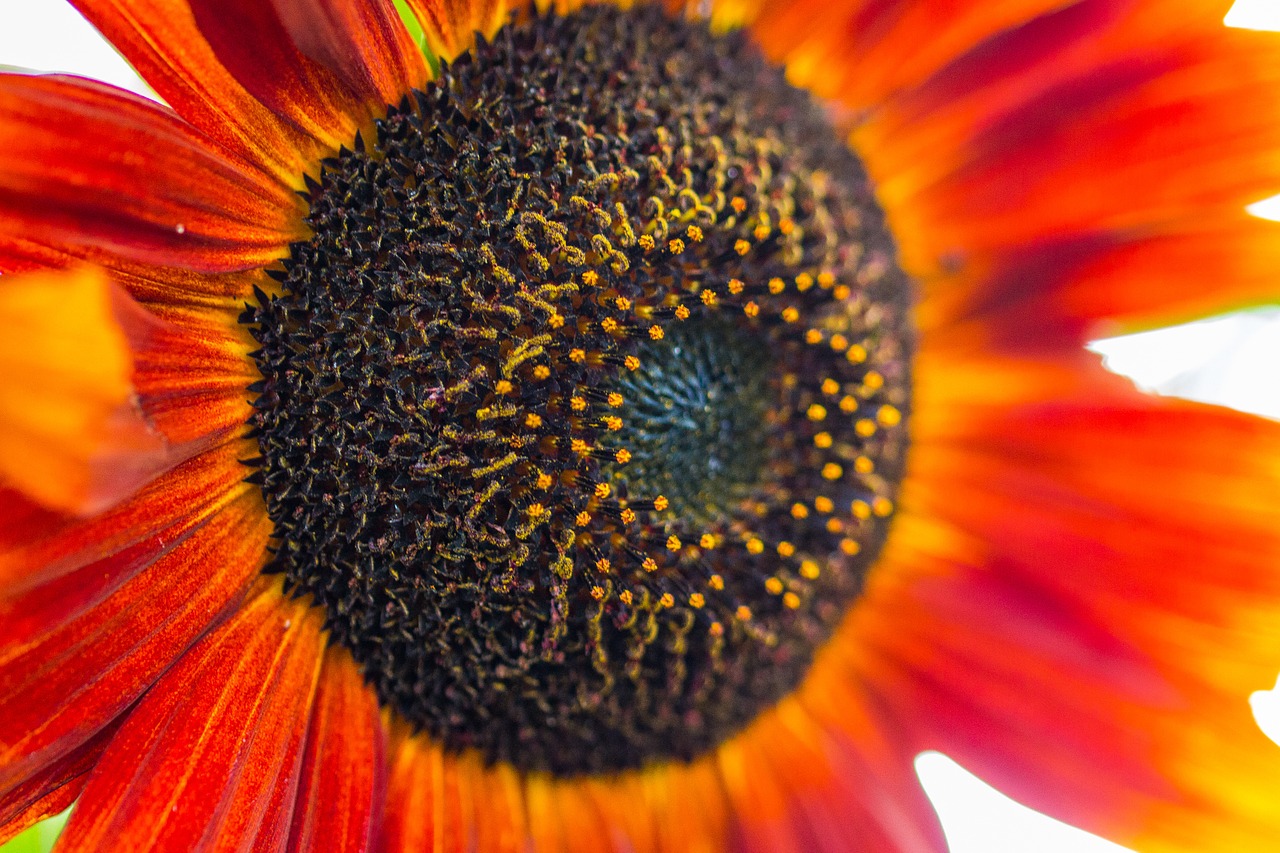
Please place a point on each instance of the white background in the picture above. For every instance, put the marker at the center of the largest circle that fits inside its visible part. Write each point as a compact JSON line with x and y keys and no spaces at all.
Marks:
{"x":1232,"y":360}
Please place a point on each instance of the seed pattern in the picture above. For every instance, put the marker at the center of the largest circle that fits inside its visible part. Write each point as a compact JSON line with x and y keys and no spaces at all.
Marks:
{"x":583,"y":410}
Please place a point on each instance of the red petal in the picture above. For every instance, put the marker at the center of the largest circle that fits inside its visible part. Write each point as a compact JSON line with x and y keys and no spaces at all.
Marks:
{"x":88,"y":166}
{"x":212,"y":756}
{"x":343,"y":780}
{"x":62,"y":686}
{"x":51,"y":790}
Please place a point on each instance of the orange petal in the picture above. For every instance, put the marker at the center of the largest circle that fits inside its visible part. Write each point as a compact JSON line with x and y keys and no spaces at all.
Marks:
{"x":343,"y":779}
{"x":215,"y":749}
{"x":450,"y":25}
{"x":53,"y":789}
{"x":141,"y":610}
{"x":71,"y":433}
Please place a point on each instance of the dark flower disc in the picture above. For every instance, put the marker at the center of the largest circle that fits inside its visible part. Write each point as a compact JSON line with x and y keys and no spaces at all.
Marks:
{"x":583,"y":410}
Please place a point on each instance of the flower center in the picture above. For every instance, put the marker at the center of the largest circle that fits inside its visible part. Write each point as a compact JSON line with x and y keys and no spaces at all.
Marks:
{"x":582,"y":412}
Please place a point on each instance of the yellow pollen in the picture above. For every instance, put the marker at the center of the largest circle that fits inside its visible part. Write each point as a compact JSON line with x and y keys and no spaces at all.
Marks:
{"x":682,"y":313}
{"x":873,"y":381}
{"x":741,"y":247}
{"x":577,"y":403}
{"x":544,"y":481}
{"x":660,"y":503}
{"x":623,"y":303}
{"x":583,"y":519}
{"x":646,"y":242}
{"x":823,"y":504}
{"x":603,"y":565}
{"x":614,"y":399}
{"x":822,"y":440}
{"x":864,"y":465}
{"x":889,"y":416}
{"x":813,"y":336}
{"x":715,"y":629}
{"x":804,"y":281}
{"x":860,"y":509}
{"x":602,"y":490}
{"x":825,"y":280}
{"x":751,"y":309}
{"x":667,"y":600}
{"x":697,"y":600}
{"x":590,"y":278}
{"x":736,"y":286}
{"x":597,"y":592}
{"x":830,"y":387}
{"x":849,"y":405}
{"x":631,"y":363}
{"x":760,"y":232}
{"x":628,"y":516}
{"x":791,"y":600}
{"x":816,"y":412}
{"x":832,"y":471}
{"x":776,"y":286}
{"x":774,"y":586}
{"x":882,"y":507}
{"x":533,"y":420}
{"x":738,"y":203}
{"x":579,"y":446}
{"x":842,"y":292}
{"x":541,"y":372}
{"x":656,"y":333}
{"x":675,"y":246}
{"x":799,"y":510}
{"x":809,"y":569}
{"x":625,"y":596}
{"x":577,"y":355}
{"x":839,"y":343}
{"x":609,"y":325}
{"x":623,"y":456}
{"x":502,"y":386}
{"x":555,"y":321}
{"x":743,"y":613}
{"x":535,"y":510}
{"x":786,"y":549}
{"x":708,"y":298}
{"x":755,"y":546}
{"x":694,"y":233}
{"x":786,"y":225}
{"x":834,"y":525}
{"x":865,"y":427}
{"x":849,"y":546}
{"x":715,"y":582}
{"x":649,"y":564}
{"x":613,"y":423}
{"x":856,"y":354}
{"x":707,"y":541}
{"x":673,"y":543}
{"x":790,"y":315}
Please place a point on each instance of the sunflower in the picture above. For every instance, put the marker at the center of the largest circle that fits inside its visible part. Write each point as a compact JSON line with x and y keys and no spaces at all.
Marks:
{"x":620,"y":427}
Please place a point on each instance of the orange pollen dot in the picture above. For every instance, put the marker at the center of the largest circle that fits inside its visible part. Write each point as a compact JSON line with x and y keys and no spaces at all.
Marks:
{"x":751,"y":309}
{"x":715,"y":582}
{"x":623,"y":456}
{"x":579,"y":446}
{"x":708,"y":298}
{"x":602,"y":490}
{"x":742,"y":614}
{"x":544,"y":481}
{"x":667,"y":600}
{"x":597,"y":592}
{"x":614,"y":399}
{"x":804,"y":281}
{"x":755,"y":546}
{"x":555,"y":321}
{"x":799,"y":510}
{"x":660,"y":503}
{"x":577,"y":403}
{"x":786,"y":549}
{"x":625,"y":596}
{"x":849,"y":546}
{"x":707,"y":541}
{"x":534,"y":510}
{"x":533,"y":420}
{"x":865,"y":427}
{"x":809,"y":569}
{"x":590,"y":278}
{"x":839,"y":343}
{"x":830,"y":387}
{"x":675,"y":246}
{"x":863,"y":465}
{"x":577,"y":355}
{"x":832,"y":471}
{"x":541,"y":372}
{"x":631,"y":363}
{"x":761,"y":232}
{"x":736,"y":286}
{"x":882,"y":507}
{"x":649,"y":564}
{"x":860,"y":509}
{"x":842,"y":292}
{"x":623,"y":303}
{"x":583,"y":519}
{"x":697,"y":600}
{"x":774,"y":586}
{"x":822,"y":440}
{"x":848,"y":405}
{"x":873,"y":381}
{"x":646,"y":242}
{"x":609,"y":324}
{"x":738,"y":203}
{"x":741,"y":247}
{"x":628,"y":516}
{"x":502,"y":386}
{"x":673,"y":543}
{"x":790,"y":315}
{"x":823,"y":504}
{"x":694,"y":233}
{"x":715,"y":629}
{"x":813,"y":336}
{"x":776,"y":286}
{"x":834,"y":525}
{"x":682,"y":313}
{"x":856,"y":354}
{"x":791,"y":600}
{"x":613,"y":423}
{"x":786,"y":225}
{"x":825,"y":280}
{"x":889,"y":416}
{"x":656,"y":333}
{"x":603,"y":564}
{"x":816,"y":412}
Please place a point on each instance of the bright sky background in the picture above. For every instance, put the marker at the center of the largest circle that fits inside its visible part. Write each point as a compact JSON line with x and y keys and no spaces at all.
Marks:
{"x":1230,"y":360}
